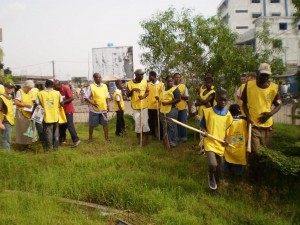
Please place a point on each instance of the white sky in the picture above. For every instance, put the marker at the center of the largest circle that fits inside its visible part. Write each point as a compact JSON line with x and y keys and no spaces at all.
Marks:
{"x":39,"y":31}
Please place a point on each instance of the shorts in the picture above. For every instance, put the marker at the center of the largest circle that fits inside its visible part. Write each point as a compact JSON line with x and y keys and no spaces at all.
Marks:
{"x":260,"y":137}
{"x":233,"y":168}
{"x":137,"y":120}
{"x":97,"y":118}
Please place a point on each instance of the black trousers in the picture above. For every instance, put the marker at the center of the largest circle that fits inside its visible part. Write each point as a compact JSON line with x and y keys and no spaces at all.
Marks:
{"x":152,"y":121}
{"x":120,"y":124}
{"x":70,"y":126}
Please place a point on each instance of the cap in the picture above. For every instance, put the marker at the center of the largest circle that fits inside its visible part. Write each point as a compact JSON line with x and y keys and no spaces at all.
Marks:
{"x":139,"y":72}
{"x":9,"y":85}
{"x":265,"y":68}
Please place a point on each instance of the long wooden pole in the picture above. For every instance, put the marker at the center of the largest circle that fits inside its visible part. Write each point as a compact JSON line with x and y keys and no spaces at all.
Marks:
{"x":141,"y":124}
{"x":249,"y":138}
{"x":158,"y":120}
{"x":199,"y":131}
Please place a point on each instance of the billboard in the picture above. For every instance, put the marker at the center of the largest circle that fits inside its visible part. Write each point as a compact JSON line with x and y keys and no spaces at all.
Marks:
{"x":113,"y":62}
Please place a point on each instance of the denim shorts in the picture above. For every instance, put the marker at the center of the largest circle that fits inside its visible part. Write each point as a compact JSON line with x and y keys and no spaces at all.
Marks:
{"x":97,"y":118}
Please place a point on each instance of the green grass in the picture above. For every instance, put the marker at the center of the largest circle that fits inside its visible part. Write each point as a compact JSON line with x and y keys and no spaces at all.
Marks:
{"x":165,"y":187}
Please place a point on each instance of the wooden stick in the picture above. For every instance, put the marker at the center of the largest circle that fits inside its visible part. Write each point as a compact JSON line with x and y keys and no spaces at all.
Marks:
{"x":141,"y":124}
{"x":199,"y":131}
{"x":249,"y":138}
{"x":158,"y":120}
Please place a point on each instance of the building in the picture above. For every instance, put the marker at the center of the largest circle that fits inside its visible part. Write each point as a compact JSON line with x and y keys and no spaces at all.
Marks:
{"x":240,"y":14}
{"x":246,"y":17}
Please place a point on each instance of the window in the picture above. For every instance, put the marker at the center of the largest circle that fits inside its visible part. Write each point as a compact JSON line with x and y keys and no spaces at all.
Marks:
{"x":241,"y":27}
{"x":255,"y":1}
{"x":241,"y":11}
{"x":275,"y":14}
{"x":256,"y":15}
{"x":275,"y":1}
{"x":282,"y":26}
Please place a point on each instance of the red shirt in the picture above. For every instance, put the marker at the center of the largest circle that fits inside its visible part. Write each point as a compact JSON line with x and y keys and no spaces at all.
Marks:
{"x":66,"y":93}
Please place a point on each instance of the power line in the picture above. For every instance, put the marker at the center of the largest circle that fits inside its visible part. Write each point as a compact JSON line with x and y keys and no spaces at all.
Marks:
{"x":37,"y":64}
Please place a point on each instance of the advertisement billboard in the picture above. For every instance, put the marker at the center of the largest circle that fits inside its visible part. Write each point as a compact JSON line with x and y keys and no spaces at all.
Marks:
{"x":113,"y":62}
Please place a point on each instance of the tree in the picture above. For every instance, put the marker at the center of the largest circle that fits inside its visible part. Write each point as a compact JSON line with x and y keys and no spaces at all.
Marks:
{"x":269,"y":49}
{"x":188,"y":43}
{"x":297,"y":13}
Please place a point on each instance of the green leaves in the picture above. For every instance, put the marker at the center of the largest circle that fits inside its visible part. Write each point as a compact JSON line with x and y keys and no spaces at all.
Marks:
{"x":193,"y":45}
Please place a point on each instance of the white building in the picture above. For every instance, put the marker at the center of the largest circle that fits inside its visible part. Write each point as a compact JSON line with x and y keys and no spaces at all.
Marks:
{"x":240,"y":14}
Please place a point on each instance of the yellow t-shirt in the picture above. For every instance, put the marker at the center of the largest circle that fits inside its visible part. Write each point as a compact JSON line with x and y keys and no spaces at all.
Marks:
{"x":136,"y":103}
{"x":99,"y":96}
{"x":116,"y":106}
{"x":10,"y":116}
{"x":237,"y":136}
{"x":204,"y":97}
{"x":260,"y":100}
{"x":182,"y":104}
{"x":166,"y":96}
{"x":50,"y":101}
{"x":154,"y":90}
{"x":26,"y":99}
{"x":217,"y":126}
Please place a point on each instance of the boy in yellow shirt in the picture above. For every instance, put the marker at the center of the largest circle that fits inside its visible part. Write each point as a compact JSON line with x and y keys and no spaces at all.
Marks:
{"x":119,"y":107}
{"x":216,"y":121}
{"x":235,"y":158}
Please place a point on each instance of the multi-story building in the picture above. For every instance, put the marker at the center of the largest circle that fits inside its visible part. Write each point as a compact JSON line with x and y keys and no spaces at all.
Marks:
{"x":246,"y":17}
{"x":240,"y":14}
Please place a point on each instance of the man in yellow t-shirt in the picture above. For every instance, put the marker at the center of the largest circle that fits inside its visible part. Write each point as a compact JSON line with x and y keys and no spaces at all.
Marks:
{"x":119,"y":107}
{"x":7,"y":119}
{"x":155,"y":88}
{"x":50,"y":100}
{"x":97,"y":96}
{"x":258,"y":97}
{"x":138,"y":90}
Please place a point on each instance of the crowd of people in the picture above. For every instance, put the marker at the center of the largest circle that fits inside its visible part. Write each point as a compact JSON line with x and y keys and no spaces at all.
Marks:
{"x":153,"y":103}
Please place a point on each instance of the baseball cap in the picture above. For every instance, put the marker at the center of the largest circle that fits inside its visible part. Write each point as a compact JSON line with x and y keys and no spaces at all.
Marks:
{"x":265,"y":68}
{"x":139,"y":72}
{"x":9,"y":85}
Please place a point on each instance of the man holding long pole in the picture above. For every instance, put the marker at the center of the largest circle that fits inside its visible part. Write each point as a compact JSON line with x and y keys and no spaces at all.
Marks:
{"x":155,"y":88}
{"x":137,"y":89}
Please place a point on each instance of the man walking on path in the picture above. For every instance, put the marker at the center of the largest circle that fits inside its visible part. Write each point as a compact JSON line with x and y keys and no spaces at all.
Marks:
{"x":258,"y":97}
{"x":155,"y":89}
{"x":182,"y":106}
{"x":137,"y":89}
{"x":97,"y":96}
{"x":68,"y":97}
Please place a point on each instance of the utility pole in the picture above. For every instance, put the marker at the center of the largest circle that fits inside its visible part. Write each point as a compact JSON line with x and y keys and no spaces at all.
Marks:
{"x":53,"y":69}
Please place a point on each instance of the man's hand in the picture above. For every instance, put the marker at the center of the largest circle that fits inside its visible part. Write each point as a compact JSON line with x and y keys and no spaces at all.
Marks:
{"x":204,"y":134}
{"x":225,"y":143}
{"x":157,"y":98}
{"x":95,"y":105}
{"x":264,"y":117}
{"x":2,"y":127}
{"x":141,"y":97}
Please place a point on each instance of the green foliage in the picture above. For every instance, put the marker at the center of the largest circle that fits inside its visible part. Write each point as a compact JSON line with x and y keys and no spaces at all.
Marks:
{"x":193,"y":45}
{"x":284,"y":153}
{"x":269,"y":49}
{"x":297,"y":13}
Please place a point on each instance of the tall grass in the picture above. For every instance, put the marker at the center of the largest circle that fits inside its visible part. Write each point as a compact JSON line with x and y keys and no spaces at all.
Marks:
{"x":170,"y":187}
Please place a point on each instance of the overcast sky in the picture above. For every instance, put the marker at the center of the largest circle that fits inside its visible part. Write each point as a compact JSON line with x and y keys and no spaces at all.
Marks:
{"x":35,"y":32}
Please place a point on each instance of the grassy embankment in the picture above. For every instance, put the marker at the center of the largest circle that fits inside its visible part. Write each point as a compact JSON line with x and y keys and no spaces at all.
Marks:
{"x":164,"y":187}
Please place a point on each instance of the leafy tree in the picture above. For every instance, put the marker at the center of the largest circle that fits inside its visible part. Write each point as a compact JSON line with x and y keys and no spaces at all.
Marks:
{"x":269,"y":49}
{"x":188,"y":43}
{"x":297,"y":13}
